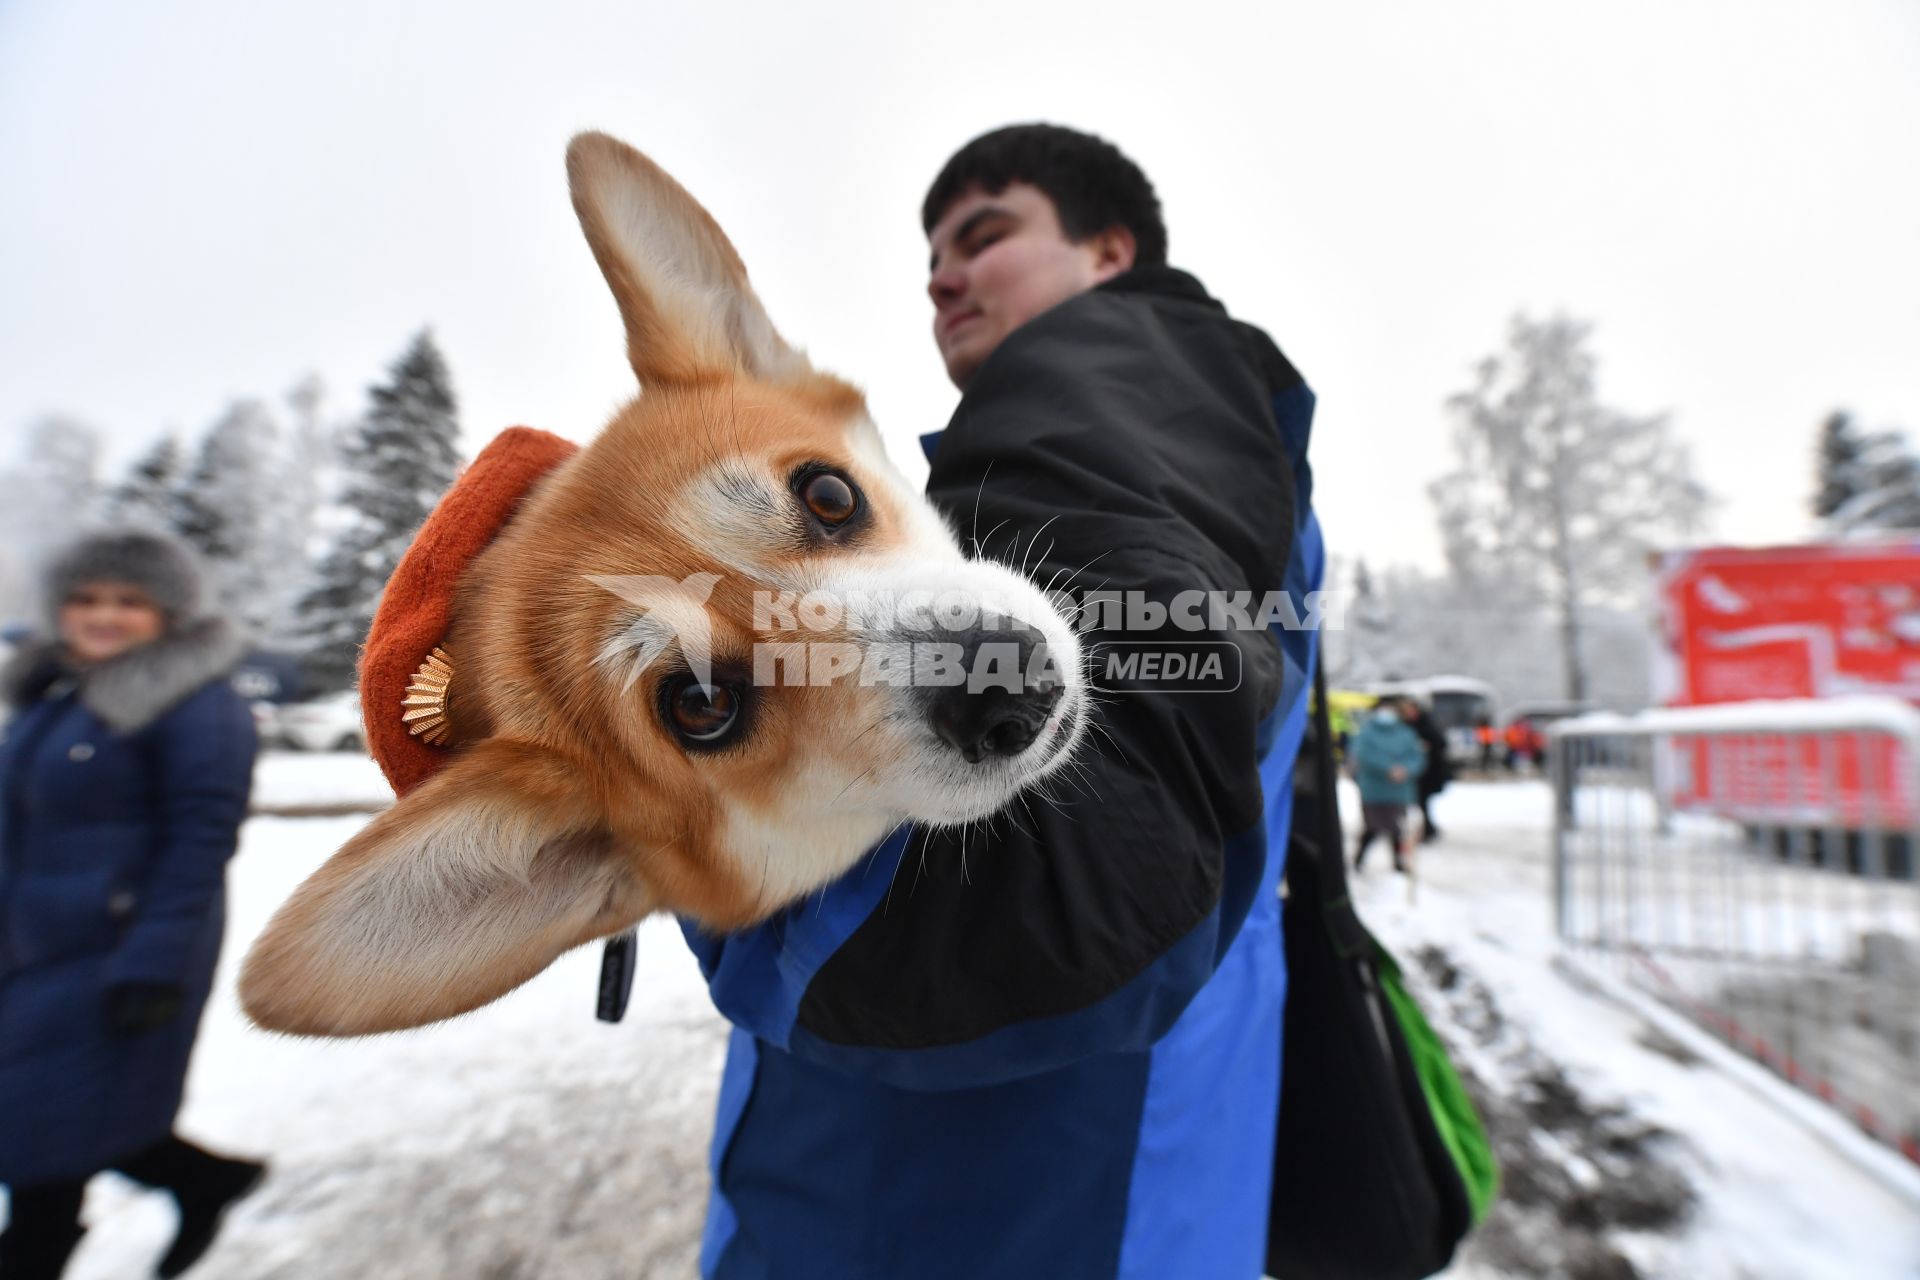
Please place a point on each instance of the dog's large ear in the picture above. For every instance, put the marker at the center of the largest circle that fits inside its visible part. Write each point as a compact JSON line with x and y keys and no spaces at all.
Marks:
{"x":682,"y":290}
{"x":468,"y":887}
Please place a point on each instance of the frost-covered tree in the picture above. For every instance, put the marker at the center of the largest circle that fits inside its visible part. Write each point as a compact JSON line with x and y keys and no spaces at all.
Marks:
{"x":311,"y":448}
{"x":1837,"y":464}
{"x":149,"y":495}
{"x":1867,"y":481}
{"x":396,"y":462}
{"x":1556,"y":494}
{"x":47,"y":496}
{"x":1426,"y":624}
{"x":227,"y":511}
{"x":304,"y":467}
{"x":57,"y":480}
{"x":1350,"y":653}
{"x":1383,"y":638}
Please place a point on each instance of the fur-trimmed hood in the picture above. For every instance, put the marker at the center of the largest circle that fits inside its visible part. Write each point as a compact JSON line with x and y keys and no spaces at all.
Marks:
{"x":135,"y":689}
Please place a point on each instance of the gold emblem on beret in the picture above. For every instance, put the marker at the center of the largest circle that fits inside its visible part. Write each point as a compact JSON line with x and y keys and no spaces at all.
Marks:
{"x":424,"y":709}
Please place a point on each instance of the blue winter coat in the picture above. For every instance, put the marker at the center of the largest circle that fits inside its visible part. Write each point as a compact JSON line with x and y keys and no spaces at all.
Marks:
{"x":121,"y":811}
{"x":1383,"y":744}
{"x":1050,"y":1046}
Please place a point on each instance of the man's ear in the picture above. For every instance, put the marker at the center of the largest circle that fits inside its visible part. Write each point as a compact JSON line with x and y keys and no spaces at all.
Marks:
{"x":467,"y":888}
{"x":1114,"y":252}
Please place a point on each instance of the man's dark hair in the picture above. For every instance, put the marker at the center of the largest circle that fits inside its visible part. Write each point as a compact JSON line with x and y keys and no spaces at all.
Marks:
{"x":1091,"y":183}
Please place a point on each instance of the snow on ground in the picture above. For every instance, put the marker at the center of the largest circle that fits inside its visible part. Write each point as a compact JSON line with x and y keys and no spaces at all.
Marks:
{"x":1625,"y":1150}
{"x":302,"y":783}
{"x":524,"y":1140}
{"x":1800,"y":941}
{"x":528,"y":1140}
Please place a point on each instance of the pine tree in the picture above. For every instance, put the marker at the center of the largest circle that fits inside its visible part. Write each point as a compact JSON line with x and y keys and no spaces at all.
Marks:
{"x":1556,"y":495}
{"x":1868,"y":482}
{"x":1837,"y":464}
{"x":149,"y":497}
{"x":225,"y":510}
{"x":397,"y":461}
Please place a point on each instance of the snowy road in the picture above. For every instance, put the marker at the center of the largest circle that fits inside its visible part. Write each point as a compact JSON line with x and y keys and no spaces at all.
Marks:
{"x":527,"y":1140}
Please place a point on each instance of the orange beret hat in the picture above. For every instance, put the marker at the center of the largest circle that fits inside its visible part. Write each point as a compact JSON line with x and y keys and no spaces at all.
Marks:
{"x":411,"y":622}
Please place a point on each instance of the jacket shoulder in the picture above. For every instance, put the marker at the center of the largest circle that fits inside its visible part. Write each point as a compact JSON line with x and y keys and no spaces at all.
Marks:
{"x":1149,"y":419}
{"x":1087,"y":330}
{"x":1166,"y":309}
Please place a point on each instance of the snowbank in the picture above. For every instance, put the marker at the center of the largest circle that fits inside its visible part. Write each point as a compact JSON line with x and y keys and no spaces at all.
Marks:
{"x":303,"y":783}
{"x":1861,"y":713}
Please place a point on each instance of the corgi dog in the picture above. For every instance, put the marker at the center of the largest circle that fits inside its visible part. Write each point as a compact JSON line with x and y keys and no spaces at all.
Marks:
{"x":643,"y":721}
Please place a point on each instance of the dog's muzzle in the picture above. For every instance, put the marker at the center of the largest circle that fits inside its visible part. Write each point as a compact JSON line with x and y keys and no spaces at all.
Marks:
{"x":1003,"y":690}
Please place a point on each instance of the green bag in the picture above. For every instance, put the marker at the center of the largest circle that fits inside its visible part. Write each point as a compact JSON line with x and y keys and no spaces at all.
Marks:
{"x":1453,"y":1111}
{"x":1381,"y":1166}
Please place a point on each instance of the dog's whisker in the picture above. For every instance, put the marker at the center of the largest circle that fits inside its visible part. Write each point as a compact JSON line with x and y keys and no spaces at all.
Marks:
{"x":1034,"y":539}
{"x":980,"y":543}
{"x":1088,"y":565}
{"x":1031,"y":835}
{"x":861,"y":777}
{"x":873,"y":853}
{"x":974,"y":528}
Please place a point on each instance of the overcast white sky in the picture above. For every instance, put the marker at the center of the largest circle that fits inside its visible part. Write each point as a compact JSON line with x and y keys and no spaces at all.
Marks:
{"x":205,"y":200}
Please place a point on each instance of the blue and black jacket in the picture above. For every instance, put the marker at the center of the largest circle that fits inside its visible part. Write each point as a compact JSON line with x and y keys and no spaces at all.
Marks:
{"x":1051,"y":1047}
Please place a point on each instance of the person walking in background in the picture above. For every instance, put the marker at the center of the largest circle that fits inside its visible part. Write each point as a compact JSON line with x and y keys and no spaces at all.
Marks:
{"x":1524,"y":746}
{"x":1387,"y":761}
{"x":1439,"y":768}
{"x":126,"y":764}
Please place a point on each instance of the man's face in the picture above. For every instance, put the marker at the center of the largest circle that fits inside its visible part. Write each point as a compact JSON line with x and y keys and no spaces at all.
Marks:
{"x":1000,"y":260}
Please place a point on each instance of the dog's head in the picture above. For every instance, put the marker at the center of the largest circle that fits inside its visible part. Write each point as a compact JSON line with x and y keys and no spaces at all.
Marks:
{"x":714,"y":658}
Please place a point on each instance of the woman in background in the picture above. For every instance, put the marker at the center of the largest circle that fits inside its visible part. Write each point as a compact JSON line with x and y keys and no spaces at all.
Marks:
{"x":1387,"y":763}
{"x":125,"y":765}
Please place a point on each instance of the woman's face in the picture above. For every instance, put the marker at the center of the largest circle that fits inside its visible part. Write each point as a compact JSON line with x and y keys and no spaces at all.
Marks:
{"x":101,"y":620}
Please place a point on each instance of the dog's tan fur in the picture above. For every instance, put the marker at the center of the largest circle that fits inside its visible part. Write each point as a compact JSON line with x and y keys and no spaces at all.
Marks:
{"x":568,"y":812}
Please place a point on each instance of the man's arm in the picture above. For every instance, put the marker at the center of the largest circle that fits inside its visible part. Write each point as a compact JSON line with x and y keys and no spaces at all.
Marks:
{"x":1100,"y":451}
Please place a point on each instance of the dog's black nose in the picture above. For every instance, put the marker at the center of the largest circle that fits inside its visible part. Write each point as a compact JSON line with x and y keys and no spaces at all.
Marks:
{"x":993,"y":722}
{"x":996,"y":704}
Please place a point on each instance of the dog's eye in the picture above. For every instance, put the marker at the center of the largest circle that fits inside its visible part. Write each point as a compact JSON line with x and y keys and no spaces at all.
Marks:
{"x":830,"y":498}
{"x":702,"y":713}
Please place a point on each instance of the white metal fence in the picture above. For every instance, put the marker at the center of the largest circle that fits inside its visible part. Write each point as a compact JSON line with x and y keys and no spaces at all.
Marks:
{"x":1753,"y":866}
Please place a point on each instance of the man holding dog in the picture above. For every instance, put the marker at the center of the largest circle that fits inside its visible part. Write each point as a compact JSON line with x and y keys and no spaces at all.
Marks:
{"x":1050,"y":1046}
